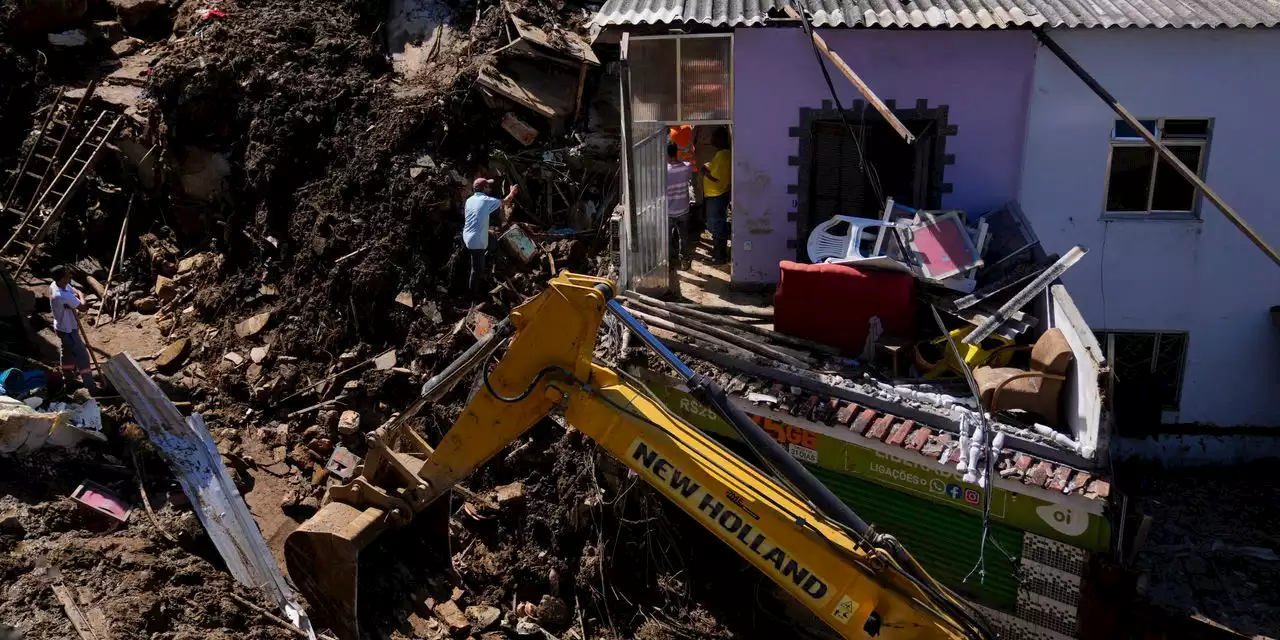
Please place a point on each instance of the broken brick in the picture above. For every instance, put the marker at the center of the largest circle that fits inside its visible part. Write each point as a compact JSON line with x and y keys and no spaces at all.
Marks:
{"x":1098,"y":489}
{"x":1059,"y":479}
{"x":935,"y":446}
{"x":349,"y":422}
{"x":1077,"y":482}
{"x":1039,"y":474}
{"x":864,"y":420}
{"x":451,"y":615}
{"x":918,"y":439}
{"x":899,"y":433}
{"x":1022,"y":462}
{"x":509,"y":493}
{"x":880,"y":428}
{"x":806,"y":409}
{"x":846,"y":413}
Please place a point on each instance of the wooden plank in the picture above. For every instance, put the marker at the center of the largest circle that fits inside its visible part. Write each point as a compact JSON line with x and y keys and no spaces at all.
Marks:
{"x":1165,"y":154}
{"x":857,"y":81}
{"x":543,"y":88}
{"x":1023,"y":297}
{"x":571,"y":44}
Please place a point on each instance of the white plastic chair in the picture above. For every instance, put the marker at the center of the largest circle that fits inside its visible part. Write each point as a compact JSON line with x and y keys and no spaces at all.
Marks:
{"x":825,"y":246}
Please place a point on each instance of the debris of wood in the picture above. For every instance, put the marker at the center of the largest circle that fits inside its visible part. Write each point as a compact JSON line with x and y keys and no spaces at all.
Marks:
{"x":700,"y":331}
{"x":1040,"y":283}
{"x":661,"y":308}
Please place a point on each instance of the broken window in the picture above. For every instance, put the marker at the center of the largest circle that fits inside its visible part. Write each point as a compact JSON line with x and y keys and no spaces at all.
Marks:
{"x":682,"y":79}
{"x":1140,"y":182}
{"x":1147,"y":369}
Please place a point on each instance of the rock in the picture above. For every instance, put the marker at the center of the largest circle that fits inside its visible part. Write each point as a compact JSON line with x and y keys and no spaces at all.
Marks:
{"x":254,"y":372}
{"x":258,"y":354}
{"x":483,"y":616}
{"x":234,"y":357}
{"x":452,"y":617}
{"x":349,"y":422}
{"x":280,"y":453}
{"x":424,"y":627}
{"x":11,"y":525}
{"x":352,"y":387}
{"x":385,"y":361}
{"x":314,"y":431}
{"x":173,"y":355}
{"x":552,"y":611}
{"x":348,"y":358}
{"x":322,"y":446}
{"x":165,"y":289}
{"x":253,"y":325}
{"x":431,"y":311}
{"x":193,"y":263}
{"x":165,"y":326}
{"x":327,"y":418}
{"x":509,"y":493}
{"x":126,"y":47}
{"x":405,"y":298}
{"x":135,"y":13}
{"x":146,"y":306}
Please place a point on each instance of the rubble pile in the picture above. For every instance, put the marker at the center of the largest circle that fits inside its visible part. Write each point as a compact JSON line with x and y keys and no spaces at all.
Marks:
{"x":293,"y":206}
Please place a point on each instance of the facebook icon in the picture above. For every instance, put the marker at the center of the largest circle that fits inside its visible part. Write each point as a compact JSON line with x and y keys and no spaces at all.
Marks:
{"x":954,"y":491}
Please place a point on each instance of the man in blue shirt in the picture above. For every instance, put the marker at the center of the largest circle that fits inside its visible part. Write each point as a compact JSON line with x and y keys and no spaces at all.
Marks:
{"x":475,"y":228}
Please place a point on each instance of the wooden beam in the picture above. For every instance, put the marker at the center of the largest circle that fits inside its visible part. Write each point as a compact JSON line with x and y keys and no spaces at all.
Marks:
{"x":855,"y":79}
{"x":1164,"y":151}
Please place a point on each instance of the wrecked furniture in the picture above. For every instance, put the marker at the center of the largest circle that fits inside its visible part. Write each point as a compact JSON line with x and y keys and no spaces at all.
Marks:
{"x":834,"y":304}
{"x":24,"y":430}
{"x":193,"y":455}
{"x":992,"y":352}
{"x":100,"y":499}
{"x":825,"y":246}
{"x":1035,"y":391}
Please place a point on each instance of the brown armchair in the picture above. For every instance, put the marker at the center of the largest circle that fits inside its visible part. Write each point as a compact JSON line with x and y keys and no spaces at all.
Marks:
{"x":1035,"y":391}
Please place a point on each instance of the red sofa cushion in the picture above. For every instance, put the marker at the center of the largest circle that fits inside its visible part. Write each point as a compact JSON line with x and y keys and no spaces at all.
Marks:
{"x":833,"y":303}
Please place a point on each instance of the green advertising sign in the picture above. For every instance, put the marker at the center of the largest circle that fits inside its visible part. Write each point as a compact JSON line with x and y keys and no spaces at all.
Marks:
{"x":1066,"y":520}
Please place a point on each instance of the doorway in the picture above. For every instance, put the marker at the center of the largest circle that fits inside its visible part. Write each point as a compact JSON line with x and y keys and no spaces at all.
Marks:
{"x":832,"y":179}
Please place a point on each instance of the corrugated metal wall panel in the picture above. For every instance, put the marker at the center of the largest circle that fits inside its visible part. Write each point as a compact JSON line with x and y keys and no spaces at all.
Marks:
{"x":946,"y":541}
{"x":960,"y":13}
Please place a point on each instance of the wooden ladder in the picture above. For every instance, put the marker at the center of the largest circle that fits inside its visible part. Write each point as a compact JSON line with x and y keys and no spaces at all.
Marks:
{"x":36,"y":224}
{"x":46,"y":152}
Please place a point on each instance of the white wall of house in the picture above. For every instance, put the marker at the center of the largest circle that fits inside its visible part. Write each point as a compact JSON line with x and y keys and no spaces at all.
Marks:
{"x":1202,"y":277}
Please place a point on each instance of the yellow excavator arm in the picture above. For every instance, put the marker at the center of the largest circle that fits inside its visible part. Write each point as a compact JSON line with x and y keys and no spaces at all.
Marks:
{"x":860,"y":583}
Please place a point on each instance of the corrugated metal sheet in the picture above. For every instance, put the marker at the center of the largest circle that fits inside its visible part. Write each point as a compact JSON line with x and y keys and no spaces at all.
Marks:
{"x":952,"y":13}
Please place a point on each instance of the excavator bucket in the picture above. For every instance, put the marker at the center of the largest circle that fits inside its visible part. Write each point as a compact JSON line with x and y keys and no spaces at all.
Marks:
{"x":322,"y":557}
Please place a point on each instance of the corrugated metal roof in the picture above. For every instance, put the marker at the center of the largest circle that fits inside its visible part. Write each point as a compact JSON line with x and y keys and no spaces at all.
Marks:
{"x":952,"y":13}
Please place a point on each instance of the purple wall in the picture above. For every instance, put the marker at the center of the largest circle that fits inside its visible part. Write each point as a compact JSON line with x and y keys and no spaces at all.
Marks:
{"x":982,"y":76}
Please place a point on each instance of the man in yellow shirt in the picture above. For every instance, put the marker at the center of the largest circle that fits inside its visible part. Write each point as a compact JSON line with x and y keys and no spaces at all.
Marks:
{"x":717,"y":181}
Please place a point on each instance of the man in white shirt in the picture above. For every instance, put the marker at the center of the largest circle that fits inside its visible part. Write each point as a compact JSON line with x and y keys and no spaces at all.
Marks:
{"x":475,"y":228}
{"x":679,"y":178}
{"x":64,"y":301}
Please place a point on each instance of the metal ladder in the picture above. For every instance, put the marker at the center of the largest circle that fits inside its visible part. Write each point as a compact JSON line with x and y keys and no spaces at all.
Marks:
{"x":35,"y":224}
{"x":43,"y":157}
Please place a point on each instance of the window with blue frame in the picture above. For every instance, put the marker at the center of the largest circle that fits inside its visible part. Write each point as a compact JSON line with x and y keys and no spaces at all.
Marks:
{"x":1141,"y":183}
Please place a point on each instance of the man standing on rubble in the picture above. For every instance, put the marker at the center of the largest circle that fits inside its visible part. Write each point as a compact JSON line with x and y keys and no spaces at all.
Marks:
{"x":64,"y":300}
{"x":475,"y":229}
